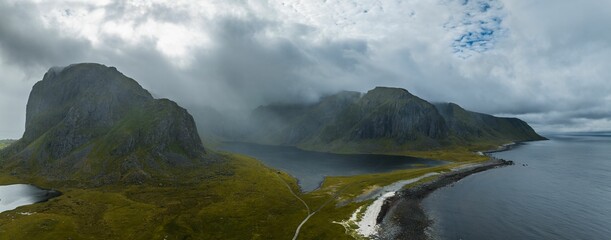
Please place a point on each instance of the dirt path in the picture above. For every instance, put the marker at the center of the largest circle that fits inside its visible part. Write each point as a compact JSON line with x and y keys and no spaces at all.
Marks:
{"x":296,"y":196}
{"x":310,"y":213}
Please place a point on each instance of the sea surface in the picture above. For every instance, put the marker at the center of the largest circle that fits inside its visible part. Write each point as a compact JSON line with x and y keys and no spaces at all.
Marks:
{"x":310,"y":168}
{"x":558,"y":189}
{"x":16,"y":195}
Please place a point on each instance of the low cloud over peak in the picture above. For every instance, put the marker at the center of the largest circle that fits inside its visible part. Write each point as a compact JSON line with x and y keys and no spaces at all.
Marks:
{"x":546,"y":62}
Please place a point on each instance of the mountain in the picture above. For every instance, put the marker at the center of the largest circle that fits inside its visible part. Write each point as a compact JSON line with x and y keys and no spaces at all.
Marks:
{"x":472,"y":126}
{"x":218,"y":126}
{"x":5,"y":143}
{"x":89,"y":122}
{"x":382,"y":120}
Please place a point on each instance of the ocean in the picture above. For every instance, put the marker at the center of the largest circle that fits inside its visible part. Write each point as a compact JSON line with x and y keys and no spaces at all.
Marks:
{"x":558,"y":189}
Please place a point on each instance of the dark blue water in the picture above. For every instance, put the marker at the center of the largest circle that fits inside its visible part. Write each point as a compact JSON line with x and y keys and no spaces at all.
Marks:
{"x":310,"y":168}
{"x":564,"y":192}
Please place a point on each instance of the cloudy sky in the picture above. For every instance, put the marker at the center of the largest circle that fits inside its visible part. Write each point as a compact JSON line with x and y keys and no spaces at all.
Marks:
{"x":547,"y":61}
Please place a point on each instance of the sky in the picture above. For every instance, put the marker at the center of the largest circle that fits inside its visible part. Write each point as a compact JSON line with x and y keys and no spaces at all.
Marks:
{"x":547,"y":62}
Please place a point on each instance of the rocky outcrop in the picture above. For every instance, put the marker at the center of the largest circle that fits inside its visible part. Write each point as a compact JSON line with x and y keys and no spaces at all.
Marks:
{"x":382,"y":120}
{"x":396,"y":114}
{"x":90,"y":122}
{"x":472,"y":126}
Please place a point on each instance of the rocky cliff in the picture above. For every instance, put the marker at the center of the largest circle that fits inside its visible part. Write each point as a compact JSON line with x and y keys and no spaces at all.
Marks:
{"x":89,"y":122}
{"x":471,"y":126}
{"x":381,"y":120}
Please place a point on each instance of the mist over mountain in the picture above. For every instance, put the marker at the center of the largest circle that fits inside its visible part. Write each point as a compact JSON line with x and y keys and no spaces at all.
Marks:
{"x":471,"y":126}
{"x":382,"y":120}
{"x":90,"y":122}
{"x":507,"y":58}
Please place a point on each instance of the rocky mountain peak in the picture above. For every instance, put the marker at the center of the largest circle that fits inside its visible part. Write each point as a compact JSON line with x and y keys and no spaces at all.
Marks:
{"x":91,"y":121}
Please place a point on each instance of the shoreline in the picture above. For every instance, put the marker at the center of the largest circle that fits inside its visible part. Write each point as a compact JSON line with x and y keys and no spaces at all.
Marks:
{"x":402,"y":216}
{"x":502,"y":148}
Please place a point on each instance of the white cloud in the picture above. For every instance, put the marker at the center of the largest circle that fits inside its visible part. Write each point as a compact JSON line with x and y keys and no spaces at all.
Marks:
{"x":543,"y":60}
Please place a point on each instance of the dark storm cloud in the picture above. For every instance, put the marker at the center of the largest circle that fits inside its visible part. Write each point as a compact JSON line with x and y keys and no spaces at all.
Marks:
{"x":548,"y":67}
{"x":25,"y":42}
{"x":264,"y":70}
{"x":244,"y":69}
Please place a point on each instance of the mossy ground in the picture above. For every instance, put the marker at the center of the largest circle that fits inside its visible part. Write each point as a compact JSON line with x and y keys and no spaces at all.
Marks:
{"x":5,"y":143}
{"x":251,"y":202}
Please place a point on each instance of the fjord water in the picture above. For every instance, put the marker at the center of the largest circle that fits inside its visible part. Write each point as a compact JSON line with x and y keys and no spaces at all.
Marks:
{"x":310,"y":168}
{"x":558,"y":189}
{"x":16,"y":195}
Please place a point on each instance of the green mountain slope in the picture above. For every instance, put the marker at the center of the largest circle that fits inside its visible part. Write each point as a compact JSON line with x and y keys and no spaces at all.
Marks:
{"x":472,"y":127}
{"x":89,"y":122}
{"x":5,"y":143}
{"x":382,"y":120}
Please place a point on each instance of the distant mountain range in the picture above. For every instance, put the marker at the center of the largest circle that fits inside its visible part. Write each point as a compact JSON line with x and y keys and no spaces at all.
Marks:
{"x":382,"y":120}
{"x":89,"y":122}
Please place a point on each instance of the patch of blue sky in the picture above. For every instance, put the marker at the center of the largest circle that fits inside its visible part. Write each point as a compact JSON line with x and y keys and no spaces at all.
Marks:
{"x":477,"y":27}
{"x":484,"y":6}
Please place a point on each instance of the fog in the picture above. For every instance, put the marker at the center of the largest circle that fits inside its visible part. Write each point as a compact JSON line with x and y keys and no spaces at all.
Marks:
{"x":546,"y":62}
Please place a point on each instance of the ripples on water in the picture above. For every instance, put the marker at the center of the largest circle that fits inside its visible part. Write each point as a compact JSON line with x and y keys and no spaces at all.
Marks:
{"x":564,"y":192}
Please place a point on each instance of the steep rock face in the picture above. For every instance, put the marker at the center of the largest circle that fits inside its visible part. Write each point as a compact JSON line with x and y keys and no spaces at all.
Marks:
{"x":397,"y":114}
{"x":473,"y":126}
{"x":382,"y":120}
{"x":90,"y":122}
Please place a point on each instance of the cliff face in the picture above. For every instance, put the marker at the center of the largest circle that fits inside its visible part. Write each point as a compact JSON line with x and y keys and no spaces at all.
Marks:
{"x":90,"y":122}
{"x":382,"y":120}
{"x":473,"y":126}
{"x":394,"y":113}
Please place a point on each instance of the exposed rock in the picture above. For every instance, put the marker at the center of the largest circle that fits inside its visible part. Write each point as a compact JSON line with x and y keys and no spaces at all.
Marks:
{"x":90,"y":122}
{"x":382,"y":120}
{"x":472,"y":126}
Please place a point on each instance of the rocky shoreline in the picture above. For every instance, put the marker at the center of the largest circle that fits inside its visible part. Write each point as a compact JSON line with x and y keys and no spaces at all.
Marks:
{"x":402,"y":216}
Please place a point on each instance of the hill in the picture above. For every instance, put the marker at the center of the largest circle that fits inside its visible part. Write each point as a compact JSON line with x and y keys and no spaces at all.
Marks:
{"x":5,"y":143}
{"x":89,"y":122}
{"x":471,"y":126}
{"x":382,"y":120}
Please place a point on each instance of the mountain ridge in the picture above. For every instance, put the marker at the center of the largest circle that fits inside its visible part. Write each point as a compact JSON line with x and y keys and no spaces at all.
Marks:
{"x":384,"y":119}
{"x":89,"y":122}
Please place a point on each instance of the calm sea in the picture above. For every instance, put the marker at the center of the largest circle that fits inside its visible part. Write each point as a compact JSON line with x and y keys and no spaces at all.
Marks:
{"x":558,"y":189}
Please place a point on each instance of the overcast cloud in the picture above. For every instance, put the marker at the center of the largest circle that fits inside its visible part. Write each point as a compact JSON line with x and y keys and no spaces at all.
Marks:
{"x":546,"y":61}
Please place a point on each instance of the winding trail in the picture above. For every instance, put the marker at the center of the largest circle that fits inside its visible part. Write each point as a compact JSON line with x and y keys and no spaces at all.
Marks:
{"x":291,"y":190}
{"x":310,"y":213}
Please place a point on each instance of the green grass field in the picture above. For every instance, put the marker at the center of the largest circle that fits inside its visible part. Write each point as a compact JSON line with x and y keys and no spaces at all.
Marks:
{"x":246,"y":200}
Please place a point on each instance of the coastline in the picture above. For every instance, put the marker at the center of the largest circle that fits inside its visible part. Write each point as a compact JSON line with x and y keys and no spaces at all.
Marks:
{"x":502,"y":148}
{"x":402,"y":216}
